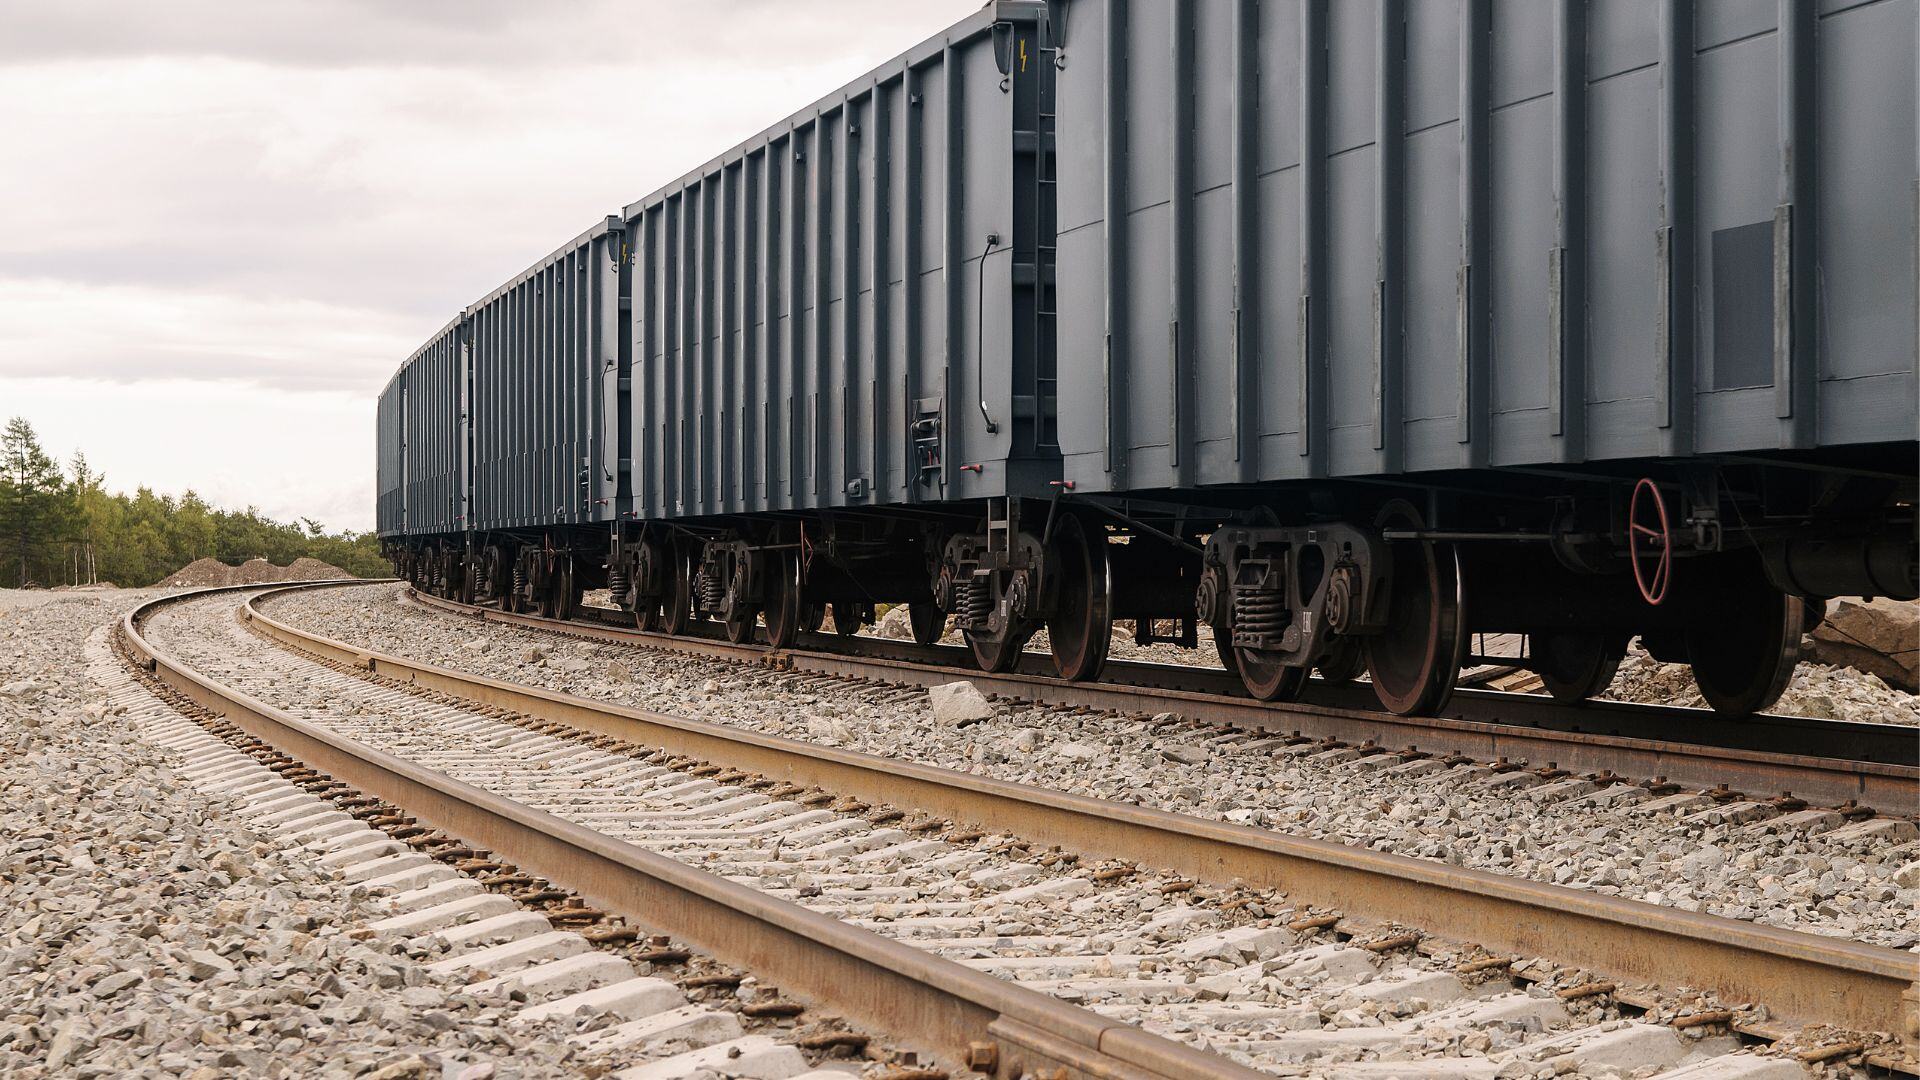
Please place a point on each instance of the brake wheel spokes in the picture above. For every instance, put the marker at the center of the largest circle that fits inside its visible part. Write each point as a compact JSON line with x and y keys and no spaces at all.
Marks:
{"x":1650,"y":549}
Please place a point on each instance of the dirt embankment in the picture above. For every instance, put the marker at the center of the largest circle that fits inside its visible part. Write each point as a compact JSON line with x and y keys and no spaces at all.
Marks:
{"x":205,"y":573}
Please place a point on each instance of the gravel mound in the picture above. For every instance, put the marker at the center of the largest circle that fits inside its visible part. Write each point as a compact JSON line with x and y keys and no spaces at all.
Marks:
{"x":145,"y":931}
{"x":208,"y":573}
{"x":1798,"y":878}
{"x":198,"y":574}
{"x":1818,"y":690}
{"x":305,"y":569}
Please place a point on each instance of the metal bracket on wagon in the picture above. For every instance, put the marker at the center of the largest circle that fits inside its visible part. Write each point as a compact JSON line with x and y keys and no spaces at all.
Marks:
{"x":1290,"y":592}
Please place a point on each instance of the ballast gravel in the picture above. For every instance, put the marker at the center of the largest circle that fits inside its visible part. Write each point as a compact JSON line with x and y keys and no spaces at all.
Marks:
{"x":145,"y":931}
{"x":1821,"y":691}
{"x":1812,"y":872}
{"x":1138,"y":948}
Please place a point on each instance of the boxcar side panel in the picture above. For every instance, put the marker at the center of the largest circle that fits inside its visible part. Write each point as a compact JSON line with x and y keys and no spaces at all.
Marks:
{"x":1480,"y":232}
{"x":546,"y":357}
{"x":390,"y":458}
{"x":809,"y":301}
{"x":432,"y":435}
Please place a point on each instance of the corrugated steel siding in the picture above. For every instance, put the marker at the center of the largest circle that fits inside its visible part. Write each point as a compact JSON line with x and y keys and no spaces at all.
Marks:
{"x":801,"y":301}
{"x":545,"y":351}
{"x":430,"y":448}
{"x":389,"y":508}
{"x":1305,"y":238}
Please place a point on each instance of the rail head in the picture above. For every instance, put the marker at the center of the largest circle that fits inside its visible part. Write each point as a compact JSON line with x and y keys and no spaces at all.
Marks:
{"x":906,"y":992}
{"x":1802,"y":978}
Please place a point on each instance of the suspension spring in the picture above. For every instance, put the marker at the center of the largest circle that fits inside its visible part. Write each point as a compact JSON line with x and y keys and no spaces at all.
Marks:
{"x":519,"y":577}
{"x":712,"y":590}
{"x":617,"y":582}
{"x":1259,"y":612}
{"x":978,"y":608}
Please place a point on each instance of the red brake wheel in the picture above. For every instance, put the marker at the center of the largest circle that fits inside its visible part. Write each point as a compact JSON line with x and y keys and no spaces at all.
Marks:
{"x":1650,"y":542}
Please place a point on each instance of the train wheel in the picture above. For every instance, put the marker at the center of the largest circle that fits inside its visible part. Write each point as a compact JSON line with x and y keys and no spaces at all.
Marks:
{"x":1416,"y":658}
{"x":1743,"y":661}
{"x":676,"y":602}
{"x":1082,"y":627}
{"x":741,"y":616}
{"x":565,"y":590}
{"x":783,"y":600}
{"x":1575,"y":666}
{"x":996,"y":655}
{"x":1266,"y":678}
{"x":929,"y":623}
{"x":848,"y":617}
{"x":647,"y":609}
{"x":514,"y":599}
{"x":1345,"y":664}
{"x":492,"y":571}
{"x":1223,"y":647}
{"x":811,"y":615}
{"x":543,"y":599}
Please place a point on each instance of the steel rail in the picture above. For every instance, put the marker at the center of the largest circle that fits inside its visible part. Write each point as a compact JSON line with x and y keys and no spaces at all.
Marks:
{"x":1802,"y":978}
{"x":1772,"y":754}
{"x":907,"y":993}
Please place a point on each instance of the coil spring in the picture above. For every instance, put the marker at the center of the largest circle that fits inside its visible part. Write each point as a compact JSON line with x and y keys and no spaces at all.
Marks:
{"x":712,"y":591}
{"x":617,"y":582}
{"x":519,"y":577}
{"x":1259,"y":612}
{"x":978,"y":607}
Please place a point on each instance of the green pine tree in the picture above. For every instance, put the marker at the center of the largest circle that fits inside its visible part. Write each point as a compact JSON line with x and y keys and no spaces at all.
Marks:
{"x":35,"y":503}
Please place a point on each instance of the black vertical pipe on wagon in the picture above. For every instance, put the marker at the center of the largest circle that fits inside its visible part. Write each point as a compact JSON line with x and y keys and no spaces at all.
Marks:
{"x":1314,"y":305}
{"x":1114,"y":367}
{"x":1389,"y":220}
{"x":1795,"y":237}
{"x":1673,"y":384}
{"x":1248,"y":297}
{"x":1566,"y":269}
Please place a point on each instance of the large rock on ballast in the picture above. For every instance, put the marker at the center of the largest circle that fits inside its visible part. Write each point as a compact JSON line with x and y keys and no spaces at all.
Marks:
{"x":959,"y":703}
{"x":1880,"y":637}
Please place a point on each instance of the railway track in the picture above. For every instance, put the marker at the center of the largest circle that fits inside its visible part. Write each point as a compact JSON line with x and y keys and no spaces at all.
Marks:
{"x":1821,"y":762}
{"x":814,"y":857}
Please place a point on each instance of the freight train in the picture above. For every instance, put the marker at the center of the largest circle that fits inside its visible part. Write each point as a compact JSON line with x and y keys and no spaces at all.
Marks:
{"x":1334,"y":333}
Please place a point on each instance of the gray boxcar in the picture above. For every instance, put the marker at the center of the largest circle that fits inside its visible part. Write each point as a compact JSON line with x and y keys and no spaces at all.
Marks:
{"x":432,"y":495}
{"x":389,"y":506}
{"x":1503,"y":280}
{"x":1302,"y":238}
{"x":850,"y":308}
{"x":545,"y":368}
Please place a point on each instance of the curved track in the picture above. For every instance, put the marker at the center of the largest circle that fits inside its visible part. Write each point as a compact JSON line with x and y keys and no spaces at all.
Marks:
{"x":1822,"y":762}
{"x":1368,"y":896}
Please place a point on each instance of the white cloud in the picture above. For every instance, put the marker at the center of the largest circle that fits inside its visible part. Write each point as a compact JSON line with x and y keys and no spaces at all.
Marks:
{"x":291,"y":454}
{"x":127,"y":332}
{"x":247,"y":215}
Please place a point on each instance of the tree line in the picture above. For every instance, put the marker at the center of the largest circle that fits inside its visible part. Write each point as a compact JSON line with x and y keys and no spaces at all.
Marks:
{"x":63,"y":527}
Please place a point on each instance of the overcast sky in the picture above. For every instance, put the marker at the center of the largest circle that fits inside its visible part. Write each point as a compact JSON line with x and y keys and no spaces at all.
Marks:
{"x":223,"y":224}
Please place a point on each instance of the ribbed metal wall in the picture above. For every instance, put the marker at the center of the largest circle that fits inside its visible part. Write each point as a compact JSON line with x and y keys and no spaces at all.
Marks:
{"x":435,"y":494}
{"x":803,"y":301}
{"x":389,"y":467}
{"x":545,"y":354}
{"x":1303,"y":238}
